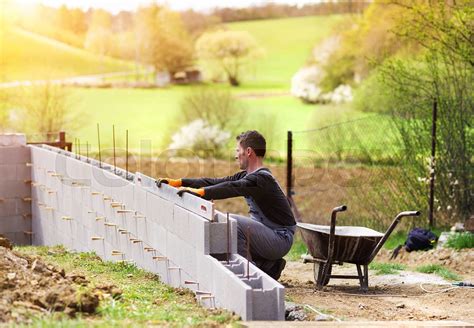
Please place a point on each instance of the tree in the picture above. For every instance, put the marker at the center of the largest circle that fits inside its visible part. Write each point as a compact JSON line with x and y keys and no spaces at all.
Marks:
{"x":229,"y":51}
{"x":162,"y":40}
{"x":218,"y":107}
{"x":443,"y":73}
{"x":45,"y":109}
{"x":98,"y":38}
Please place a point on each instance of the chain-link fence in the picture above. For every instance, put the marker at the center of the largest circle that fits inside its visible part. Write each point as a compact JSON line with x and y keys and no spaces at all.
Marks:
{"x":360,"y":163}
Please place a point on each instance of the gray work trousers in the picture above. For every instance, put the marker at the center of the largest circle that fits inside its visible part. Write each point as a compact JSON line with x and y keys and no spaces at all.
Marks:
{"x":265,"y":243}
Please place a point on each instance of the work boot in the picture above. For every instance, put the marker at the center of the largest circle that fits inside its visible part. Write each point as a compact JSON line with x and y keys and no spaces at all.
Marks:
{"x":277,"y":268}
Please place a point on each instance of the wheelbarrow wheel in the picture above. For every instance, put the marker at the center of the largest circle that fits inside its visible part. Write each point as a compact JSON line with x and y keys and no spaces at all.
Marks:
{"x":318,"y":272}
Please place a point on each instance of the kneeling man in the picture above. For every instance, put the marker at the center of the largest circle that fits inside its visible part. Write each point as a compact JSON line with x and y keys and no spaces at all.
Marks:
{"x":271,"y":221}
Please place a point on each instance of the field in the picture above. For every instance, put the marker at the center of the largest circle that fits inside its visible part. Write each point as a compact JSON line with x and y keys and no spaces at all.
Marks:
{"x":154,"y":114}
{"x":284,"y":58}
{"x":28,"y":56}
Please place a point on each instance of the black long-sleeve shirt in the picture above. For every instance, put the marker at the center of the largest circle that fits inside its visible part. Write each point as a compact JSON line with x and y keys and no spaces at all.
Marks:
{"x":260,"y":186}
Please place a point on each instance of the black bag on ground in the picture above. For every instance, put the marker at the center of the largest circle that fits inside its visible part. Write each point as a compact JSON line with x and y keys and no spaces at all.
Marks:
{"x":418,"y":240}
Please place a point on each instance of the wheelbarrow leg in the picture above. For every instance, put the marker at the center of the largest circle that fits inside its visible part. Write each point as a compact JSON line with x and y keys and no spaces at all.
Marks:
{"x":365,"y":285}
{"x":323,"y":275}
{"x":361,"y":277}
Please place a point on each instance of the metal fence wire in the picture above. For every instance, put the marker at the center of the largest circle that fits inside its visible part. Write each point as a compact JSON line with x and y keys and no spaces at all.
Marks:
{"x":359,"y":163}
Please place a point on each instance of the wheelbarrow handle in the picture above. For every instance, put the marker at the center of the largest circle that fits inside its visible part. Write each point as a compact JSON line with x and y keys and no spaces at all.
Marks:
{"x":390,"y":229}
{"x":341,"y":208}
{"x":408,"y":213}
{"x":332,"y":237}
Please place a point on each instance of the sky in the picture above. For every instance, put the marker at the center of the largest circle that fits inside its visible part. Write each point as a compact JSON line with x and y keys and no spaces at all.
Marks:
{"x":115,"y":6}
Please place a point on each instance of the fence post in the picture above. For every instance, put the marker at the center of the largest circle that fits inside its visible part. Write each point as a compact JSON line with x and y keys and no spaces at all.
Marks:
{"x":289,"y":164}
{"x":433,"y":165}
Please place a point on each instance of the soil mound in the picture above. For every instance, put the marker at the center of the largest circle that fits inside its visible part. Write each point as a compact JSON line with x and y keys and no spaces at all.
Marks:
{"x":30,"y":287}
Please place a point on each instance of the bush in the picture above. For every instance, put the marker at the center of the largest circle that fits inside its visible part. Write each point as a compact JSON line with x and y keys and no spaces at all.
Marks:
{"x":372,"y":95}
{"x":217,"y":107}
{"x":201,"y":138}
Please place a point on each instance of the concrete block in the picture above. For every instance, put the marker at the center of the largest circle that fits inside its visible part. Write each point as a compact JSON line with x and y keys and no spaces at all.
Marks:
{"x":22,"y":206}
{"x":221,"y":234}
{"x":23,"y":172}
{"x":174,"y":274}
{"x":179,"y":225}
{"x":12,"y":189}
{"x":7,"y":172}
{"x":15,"y":155}
{"x":19,"y":238}
{"x":8,"y":207}
{"x":12,"y":140}
{"x":199,"y":233}
{"x":140,"y":199}
{"x":159,"y":210}
{"x":14,"y":224}
{"x":159,"y":238}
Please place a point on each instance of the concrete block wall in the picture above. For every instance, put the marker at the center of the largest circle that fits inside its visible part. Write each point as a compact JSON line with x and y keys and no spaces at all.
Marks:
{"x":15,"y":189}
{"x":88,"y":206}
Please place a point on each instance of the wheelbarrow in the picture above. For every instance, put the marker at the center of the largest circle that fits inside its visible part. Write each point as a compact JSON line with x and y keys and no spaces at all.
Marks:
{"x":330,"y":245}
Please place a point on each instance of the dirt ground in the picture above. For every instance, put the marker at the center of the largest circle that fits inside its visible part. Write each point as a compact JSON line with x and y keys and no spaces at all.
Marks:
{"x":406,"y":295}
{"x":29,"y":287}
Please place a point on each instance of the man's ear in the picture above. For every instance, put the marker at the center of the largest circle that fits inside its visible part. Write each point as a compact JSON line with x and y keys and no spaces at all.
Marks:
{"x":248,"y":151}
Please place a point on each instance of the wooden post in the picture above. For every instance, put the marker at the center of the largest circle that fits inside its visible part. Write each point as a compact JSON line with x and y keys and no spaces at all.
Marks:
{"x":289,"y":165}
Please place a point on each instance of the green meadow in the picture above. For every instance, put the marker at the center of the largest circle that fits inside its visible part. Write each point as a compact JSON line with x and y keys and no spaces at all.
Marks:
{"x":28,"y":56}
{"x":288,"y":43}
{"x":153,"y":115}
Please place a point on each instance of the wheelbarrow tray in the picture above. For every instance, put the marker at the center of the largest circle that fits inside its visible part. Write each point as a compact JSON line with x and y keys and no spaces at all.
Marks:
{"x":352,"y":244}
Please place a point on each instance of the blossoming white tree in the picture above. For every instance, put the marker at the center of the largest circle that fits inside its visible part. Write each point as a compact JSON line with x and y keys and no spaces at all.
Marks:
{"x":199,"y":137}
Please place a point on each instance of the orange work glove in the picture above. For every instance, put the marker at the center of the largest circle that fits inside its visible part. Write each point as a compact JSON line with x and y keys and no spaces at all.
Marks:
{"x":193,"y":191}
{"x":172,"y":182}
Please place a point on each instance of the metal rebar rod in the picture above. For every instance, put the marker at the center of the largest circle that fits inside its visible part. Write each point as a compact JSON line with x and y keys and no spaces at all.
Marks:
{"x":75,"y":147}
{"x":98,"y":142}
{"x":248,"y":252}
{"x":113,"y":140}
{"x":79,"y":146}
{"x":228,"y":238}
{"x":126,"y":154}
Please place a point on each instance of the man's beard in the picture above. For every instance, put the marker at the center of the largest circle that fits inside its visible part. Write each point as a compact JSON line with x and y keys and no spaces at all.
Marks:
{"x":243,"y":165}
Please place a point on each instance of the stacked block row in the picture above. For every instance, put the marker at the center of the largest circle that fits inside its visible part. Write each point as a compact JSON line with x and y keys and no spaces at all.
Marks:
{"x":89,"y":206}
{"x":15,"y":189}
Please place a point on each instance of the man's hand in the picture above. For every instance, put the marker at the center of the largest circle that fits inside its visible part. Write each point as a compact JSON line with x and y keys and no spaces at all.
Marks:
{"x":172,"y":182}
{"x":193,"y":191}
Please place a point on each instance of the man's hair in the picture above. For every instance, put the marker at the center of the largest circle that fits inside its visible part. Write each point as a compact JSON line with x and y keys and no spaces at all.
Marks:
{"x":254,"y":140}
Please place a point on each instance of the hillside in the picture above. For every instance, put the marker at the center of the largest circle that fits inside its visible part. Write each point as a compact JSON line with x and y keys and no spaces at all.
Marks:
{"x":287,"y":43}
{"x":28,"y":56}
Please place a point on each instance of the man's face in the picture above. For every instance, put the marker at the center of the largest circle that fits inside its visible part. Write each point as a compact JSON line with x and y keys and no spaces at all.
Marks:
{"x":242,"y":156}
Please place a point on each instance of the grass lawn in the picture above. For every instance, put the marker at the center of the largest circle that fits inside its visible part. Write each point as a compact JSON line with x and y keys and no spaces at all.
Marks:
{"x":26,"y":56}
{"x":153,"y":115}
{"x":145,"y":300}
{"x":287,"y":43}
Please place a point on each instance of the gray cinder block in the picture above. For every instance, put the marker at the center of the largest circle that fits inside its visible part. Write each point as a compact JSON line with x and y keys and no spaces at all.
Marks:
{"x":14,"y":224}
{"x":164,"y":233}
{"x":15,"y":155}
{"x":8,"y":171}
{"x":13,"y":189}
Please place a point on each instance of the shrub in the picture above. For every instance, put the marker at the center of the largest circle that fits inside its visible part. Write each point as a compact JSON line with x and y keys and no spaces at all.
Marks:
{"x":201,"y":138}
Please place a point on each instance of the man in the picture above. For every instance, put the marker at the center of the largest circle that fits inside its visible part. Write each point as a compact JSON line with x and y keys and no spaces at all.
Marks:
{"x":271,"y":224}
